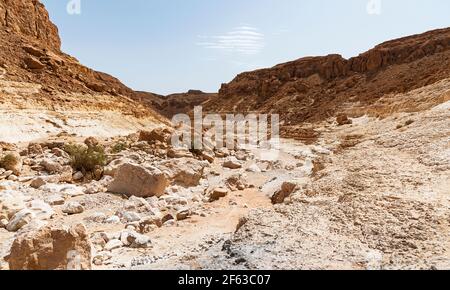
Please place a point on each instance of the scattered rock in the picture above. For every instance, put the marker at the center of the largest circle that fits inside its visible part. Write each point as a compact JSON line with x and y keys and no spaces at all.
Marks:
{"x":73,"y":207}
{"x":232,"y":163}
{"x":159,"y":134}
{"x":35,"y":149}
{"x":113,"y":244}
{"x":12,"y":162}
{"x":138,"y":181}
{"x":237,"y":182}
{"x":97,"y":217}
{"x":343,"y":120}
{"x":33,"y":63}
{"x":78,"y":176}
{"x":19,"y":220}
{"x":91,"y":142}
{"x":138,"y":241}
{"x":287,"y":188}
{"x":217,"y":193}
{"x":253,"y":168}
{"x":179,"y":153}
{"x":55,"y":199}
{"x":113,"y":220}
{"x":185,"y":171}
{"x":51,"y":166}
{"x":114,"y":165}
{"x":183,"y":214}
{"x":38,"y":182}
{"x":208,"y":156}
{"x":52,"y":249}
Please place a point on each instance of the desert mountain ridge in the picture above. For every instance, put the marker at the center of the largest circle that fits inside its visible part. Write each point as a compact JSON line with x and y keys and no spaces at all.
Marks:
{"x":315,"y":88}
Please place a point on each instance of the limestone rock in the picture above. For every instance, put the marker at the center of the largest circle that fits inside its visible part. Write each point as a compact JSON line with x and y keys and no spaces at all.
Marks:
{"x":343,"y":120}
{"x":159,"y":134}
{"x":73,"y":207}
{"x":52,"y":248}
{"x":138,"y":181}
{"x":113,"y":244}
{"x":33,"y":63}
{"x":185,"y":171}
{"x":38,"y":182}
{"x":232,"y":163}
{"x":13,"y":162}
{"x":19,"y":220}
{"x":217,"y":193}
{"x":287,"y":188}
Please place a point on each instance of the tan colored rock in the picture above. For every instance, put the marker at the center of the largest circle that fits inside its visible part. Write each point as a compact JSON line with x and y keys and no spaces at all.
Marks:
{"x":33,"y":51}
{"x":52,"y":249}
{"x":35,"y":149}
{"x":217,"y":193}
{"x":183,"y":214}
{"x":91,"y":142}
{"x":33,"y":63}
{"x":343,"y":120}
{"x":12,"y":161}
{"x":51,"y":166}
{"x":38,"y":182}
{"x":208,"y":156}
{"x":138,"y":181}
{"x":113,"y":166}
{"x":232,"y":163}
{"x":159,"y":134}
{"x":11,"y":202}
{"x":178,"y":153}
{"x":185,"y":171}
{"x":19,"y":220}
{"x":73,"y":207}
{"x":237,"y":182}
{"x":287,"y":188}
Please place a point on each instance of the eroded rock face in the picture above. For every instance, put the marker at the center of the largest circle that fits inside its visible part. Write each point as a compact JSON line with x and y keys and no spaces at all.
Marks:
{"x":52,"y":249}
{"x":31,"y":19}
{"x":135,"y":180}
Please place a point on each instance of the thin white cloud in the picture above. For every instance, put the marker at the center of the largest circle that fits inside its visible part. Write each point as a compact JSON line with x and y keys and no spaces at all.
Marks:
{"x":243,"y":40}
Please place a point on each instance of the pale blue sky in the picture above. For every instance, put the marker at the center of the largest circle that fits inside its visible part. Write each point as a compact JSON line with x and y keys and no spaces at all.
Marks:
{"x":167,"y":46}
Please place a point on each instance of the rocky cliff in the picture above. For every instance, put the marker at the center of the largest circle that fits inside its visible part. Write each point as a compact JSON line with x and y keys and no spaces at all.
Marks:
{"x":30,"y":19}
{"x":36,"y":75}
{"x":314,"y":88}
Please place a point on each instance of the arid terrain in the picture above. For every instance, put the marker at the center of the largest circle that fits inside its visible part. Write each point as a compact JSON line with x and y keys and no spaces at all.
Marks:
{"x":89,"y":177}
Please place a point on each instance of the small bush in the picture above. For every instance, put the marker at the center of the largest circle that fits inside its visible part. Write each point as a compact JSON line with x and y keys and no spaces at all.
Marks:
{"x":86,"y":158}
{"x":119,"y":147}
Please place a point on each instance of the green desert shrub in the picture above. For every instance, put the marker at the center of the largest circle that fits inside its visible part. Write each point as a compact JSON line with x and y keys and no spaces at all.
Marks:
{"x":119,"y":147}
{"x":86,"y":158}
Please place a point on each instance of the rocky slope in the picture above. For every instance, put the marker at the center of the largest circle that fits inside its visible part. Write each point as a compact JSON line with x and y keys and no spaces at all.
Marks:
{"x":315,"y":88}
{"x":36,"y":75}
